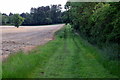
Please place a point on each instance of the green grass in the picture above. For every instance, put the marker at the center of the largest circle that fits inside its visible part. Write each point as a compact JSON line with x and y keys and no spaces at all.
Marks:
{"x":68,"y":56}
{"x":20,"y":65}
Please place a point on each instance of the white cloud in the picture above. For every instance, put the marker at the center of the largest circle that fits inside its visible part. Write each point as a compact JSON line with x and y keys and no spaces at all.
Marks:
{"x":19,"y":6}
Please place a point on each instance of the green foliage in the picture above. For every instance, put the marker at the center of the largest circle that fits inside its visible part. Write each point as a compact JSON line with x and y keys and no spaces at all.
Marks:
{"x":43,"y":15}
{"x":98,"y":22}
{"x":5,"y":19}
{"x":48,"y":21}
{"x":17,"y":20}
{"x":38,"y":16}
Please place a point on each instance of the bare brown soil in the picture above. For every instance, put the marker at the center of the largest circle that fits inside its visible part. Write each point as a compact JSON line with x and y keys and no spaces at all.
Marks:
{"x":25,"y":37}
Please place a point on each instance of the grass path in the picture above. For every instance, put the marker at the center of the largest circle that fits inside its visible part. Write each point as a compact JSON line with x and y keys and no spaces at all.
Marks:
{"x":66,"y":57}
{"x":73,"y":60}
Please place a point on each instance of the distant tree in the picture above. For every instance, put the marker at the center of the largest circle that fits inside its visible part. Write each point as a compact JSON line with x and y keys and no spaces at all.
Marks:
{"x":56,"y":13}
{"x":10,"y":14}
{"x":17,"y":20}
{"x":23,"y":15}
{"x":48,"y":21}
{"x":5,"y":19}
{"x":4,"y":14}
{"x":11,"y":19}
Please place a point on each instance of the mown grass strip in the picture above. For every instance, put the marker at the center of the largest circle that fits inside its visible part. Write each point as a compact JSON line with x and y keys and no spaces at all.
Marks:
{"x":68,"y":56}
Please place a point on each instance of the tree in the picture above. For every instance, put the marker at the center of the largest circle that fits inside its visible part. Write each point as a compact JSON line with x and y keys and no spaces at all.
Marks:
{"x":17,"y":20}
{"x":10,"y":14}
{"x":5,"y":19}
{"x":48,"y":21}
{"x":98,"y":22}
{"x":55,"y":13}
{"x":38,"y":16}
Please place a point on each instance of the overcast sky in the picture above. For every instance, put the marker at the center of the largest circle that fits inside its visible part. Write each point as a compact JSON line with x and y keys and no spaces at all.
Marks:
{"x":19,"y":6}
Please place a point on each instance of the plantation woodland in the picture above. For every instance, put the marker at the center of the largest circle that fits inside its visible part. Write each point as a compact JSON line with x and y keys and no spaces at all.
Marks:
{"x":38,"y":16}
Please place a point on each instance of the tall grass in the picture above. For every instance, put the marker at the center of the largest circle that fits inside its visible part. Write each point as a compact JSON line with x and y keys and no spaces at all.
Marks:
{"x":20,"y":65}
{"x":108,"y":55}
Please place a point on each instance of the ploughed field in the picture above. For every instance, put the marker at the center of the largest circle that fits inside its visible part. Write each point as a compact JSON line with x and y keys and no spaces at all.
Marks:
{"x":26,"y":37}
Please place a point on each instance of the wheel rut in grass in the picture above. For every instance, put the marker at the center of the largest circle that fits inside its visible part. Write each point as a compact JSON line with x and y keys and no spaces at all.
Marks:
{"x":89,"y":67}
{"x":58,"y":64}
{"x":74,"y":60}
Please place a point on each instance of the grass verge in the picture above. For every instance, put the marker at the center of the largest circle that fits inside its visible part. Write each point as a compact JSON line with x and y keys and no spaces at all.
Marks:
{"x":68,"y":56}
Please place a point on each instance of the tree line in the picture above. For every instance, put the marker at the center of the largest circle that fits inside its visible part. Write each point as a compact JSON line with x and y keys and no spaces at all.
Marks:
{"x":38,"y":16}
{"x":98,"y":22}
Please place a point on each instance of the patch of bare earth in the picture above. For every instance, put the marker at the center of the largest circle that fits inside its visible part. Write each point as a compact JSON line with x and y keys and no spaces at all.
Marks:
{"x":25,"y":38}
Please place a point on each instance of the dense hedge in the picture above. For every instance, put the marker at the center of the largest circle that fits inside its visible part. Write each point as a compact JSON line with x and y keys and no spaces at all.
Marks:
{"x":99,"y":23}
